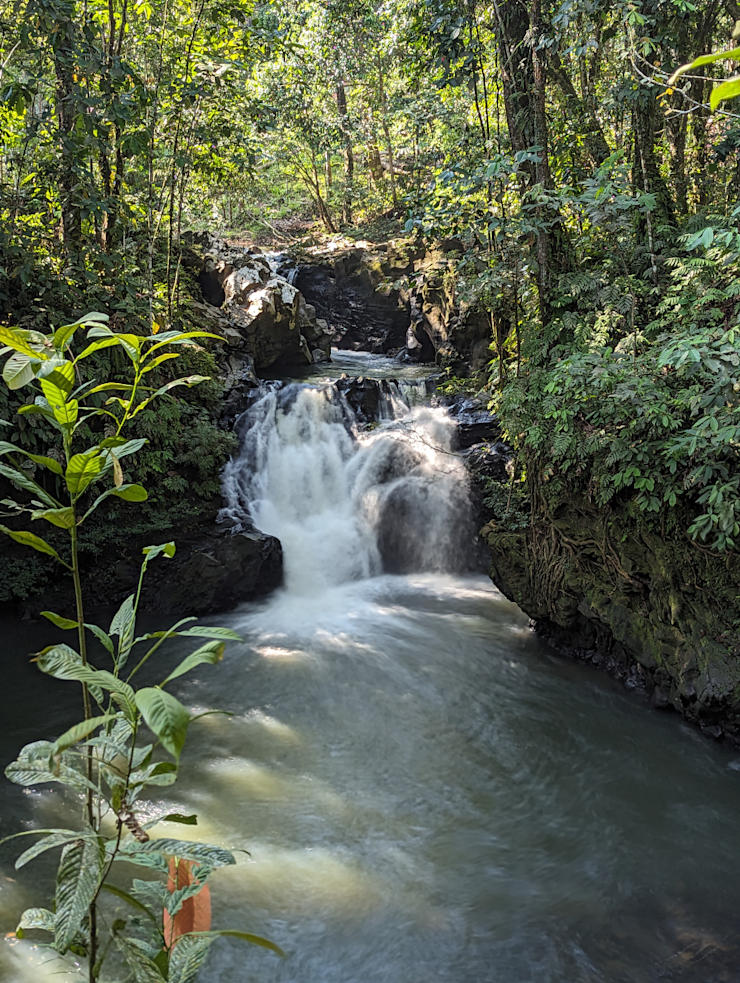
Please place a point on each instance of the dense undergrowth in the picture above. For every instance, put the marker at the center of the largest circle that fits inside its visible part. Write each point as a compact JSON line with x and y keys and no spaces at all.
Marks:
{"x":185,"y":449}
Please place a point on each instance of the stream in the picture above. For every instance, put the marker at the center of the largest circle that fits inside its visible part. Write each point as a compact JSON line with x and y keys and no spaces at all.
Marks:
{"x":425,"y":791}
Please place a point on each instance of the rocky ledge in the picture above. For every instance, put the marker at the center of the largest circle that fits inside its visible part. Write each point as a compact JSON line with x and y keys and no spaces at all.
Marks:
{"x":214,"y":571}
{"x":396,"y":298}
{"x":650,"y":608}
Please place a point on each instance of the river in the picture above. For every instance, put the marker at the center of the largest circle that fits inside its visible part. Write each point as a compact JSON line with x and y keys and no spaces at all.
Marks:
{"x":426,"y":792}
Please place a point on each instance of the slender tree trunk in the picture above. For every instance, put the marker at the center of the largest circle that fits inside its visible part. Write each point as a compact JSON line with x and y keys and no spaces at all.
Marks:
{"x":374,"y":163}
{"x":315,"y":185}
{"x":523,"y":69}
{"x":647,"y":175}
{"x":349,"y":157}
{"x":64,"y":46}
{"x":517,"y":75}
{"x":386,"y":129}
{"x":580,"y":112}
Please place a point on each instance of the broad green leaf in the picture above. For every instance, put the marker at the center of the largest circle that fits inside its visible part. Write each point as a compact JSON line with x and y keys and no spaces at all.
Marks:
{"x":18,"y":341}
{"x":246,"y":936}
{"x":36,"y":765}
{"x":124,"y":450}
{"x":80,"y":731}
{"x":731,"y":55}
{"x":130,"y":343}
{"x":64,"y":623}
{"x":77,"y":884}
{"x":35,"y":542}
{"x":152,"y":551}
{"x":160,"y":359}
{"x":162,"y":774}
{"x":58,"y":376}
{"x":165,"y":716}
{"x":65,"y":333}
{"x":129,"y":493}
{"x":176,"y":817}
{"x":176,"y":338}
{"x":66,"y":415}
{"x":123,"y":625}
{"x":108,"y":387}
{"x":20,"y":479}
{"x":82,"y":469}
{"x":59,"y":838}
{"x":18,"y":371}
{"x":200,"y":853}
{"x":205,"y":631}
{"x":187,"y":957}
{"x":63,"y":518}
{"x":96,"y":346}
{"x":62,"y":662}
{"x":40,"y":407}
{"x":143,"y":969}
{"x":104,"y":639}
{"x":727,"y":90}
{"x":189,"y":381}
{"x":34,"y":919}
{"x":47,"y":462}
{"x":211,"y":652}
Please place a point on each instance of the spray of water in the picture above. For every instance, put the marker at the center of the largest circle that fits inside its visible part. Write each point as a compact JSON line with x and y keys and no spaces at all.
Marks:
{"x":348,"y":504}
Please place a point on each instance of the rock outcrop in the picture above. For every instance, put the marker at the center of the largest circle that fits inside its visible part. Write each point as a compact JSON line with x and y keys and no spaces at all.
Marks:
{"x":650,"y":608}
{"x":214,"y":571}
{"x":261,"y":315}
{"x":397,"y":298}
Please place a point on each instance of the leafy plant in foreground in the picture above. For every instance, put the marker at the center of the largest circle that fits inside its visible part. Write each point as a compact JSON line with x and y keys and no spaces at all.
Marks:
{"x":105,"y":759}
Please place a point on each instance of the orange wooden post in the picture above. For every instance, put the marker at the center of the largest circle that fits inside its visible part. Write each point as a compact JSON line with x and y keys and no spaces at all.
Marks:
{"x":195,"y":914}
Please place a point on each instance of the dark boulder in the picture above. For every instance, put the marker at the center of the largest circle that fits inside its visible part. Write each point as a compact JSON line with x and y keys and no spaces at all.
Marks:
{"x":475,"y":422}
{"x":213,"y":571}
{"x":363,"y":396}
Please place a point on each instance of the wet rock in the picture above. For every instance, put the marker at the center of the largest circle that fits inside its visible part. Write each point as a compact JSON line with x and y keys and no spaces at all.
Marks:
{"x":655,"y":608}
{"x":264,"y":315}
{"x":363,"y":395}
{"x":488,"y":461}
{"x":475,"y":422}
{"x":239,"y":380}
{"x":358,"y":316}
{"x":240,"y":285}
{"x":214,"y":571}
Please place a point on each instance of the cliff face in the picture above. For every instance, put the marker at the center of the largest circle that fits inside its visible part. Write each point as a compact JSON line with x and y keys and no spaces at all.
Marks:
{"x":397,"y":297}
{"x":654,"y":609}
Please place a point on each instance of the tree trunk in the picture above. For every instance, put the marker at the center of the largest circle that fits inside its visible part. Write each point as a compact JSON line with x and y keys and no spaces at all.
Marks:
{"x":523,"y":67}
{"x":349,"y":157}
{"x":64,"y":47}
{"x":386,"y":129}
{"x":580,"y":113}
{"x":517,"y":75}
{"x":647,"y":176}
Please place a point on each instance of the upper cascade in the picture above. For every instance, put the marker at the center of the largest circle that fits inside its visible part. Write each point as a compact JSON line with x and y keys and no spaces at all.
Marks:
{"x":346,"y":502}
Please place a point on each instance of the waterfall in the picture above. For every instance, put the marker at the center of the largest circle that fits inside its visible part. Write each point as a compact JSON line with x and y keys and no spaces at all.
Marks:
{"x":346,"y":502}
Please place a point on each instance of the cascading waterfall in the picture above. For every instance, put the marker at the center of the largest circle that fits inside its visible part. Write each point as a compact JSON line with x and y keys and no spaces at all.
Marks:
{"x":348,"y":503}
{"x":413,"y":786}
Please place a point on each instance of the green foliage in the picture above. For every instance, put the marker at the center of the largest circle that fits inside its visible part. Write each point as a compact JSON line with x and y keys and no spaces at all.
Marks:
{"x":651,"y":418}
{"x":102,"y":759}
